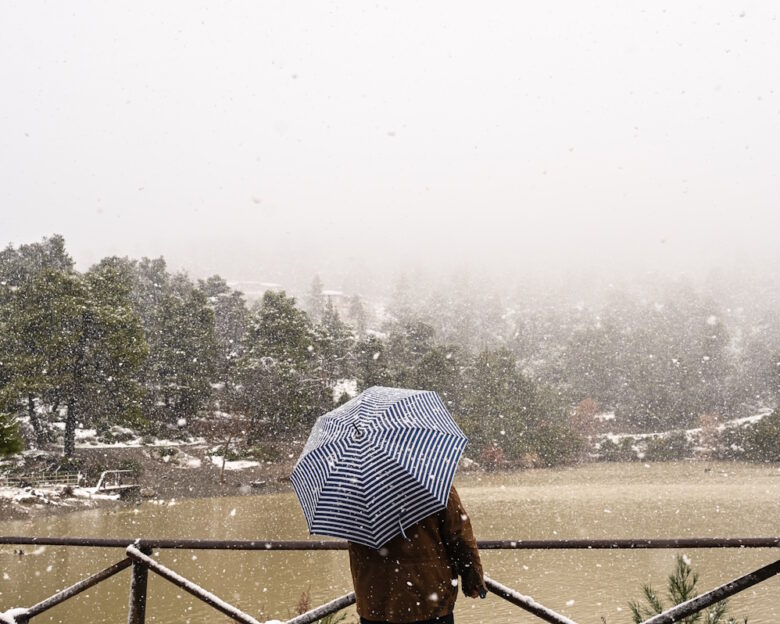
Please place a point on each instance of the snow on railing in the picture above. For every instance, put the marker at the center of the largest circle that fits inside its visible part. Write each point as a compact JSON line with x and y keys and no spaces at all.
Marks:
{"x":526,"y":602}
{"x":138,"y":556}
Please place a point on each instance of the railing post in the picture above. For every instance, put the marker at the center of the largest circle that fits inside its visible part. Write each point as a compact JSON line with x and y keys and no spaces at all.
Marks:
{"x":15,"y":616}
{"x":136,"y":613}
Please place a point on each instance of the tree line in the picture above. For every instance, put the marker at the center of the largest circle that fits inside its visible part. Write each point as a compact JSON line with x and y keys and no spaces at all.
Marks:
{"x":130,"y":343}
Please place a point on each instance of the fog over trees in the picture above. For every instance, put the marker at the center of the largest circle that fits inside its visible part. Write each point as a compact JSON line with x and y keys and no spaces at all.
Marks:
{"x":533,"y":372}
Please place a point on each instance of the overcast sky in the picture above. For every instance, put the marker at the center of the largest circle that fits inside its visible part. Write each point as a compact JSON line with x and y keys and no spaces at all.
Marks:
{"x":255,"y":139}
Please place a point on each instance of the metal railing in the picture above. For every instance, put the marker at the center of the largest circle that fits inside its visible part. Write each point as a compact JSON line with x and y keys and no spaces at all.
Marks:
{"x":111,"y":481}
{"x":42,"y":479}
{"x":139,"y":557}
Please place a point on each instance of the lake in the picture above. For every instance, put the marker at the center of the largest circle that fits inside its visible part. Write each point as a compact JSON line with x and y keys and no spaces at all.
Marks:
{"x":685,"y":499}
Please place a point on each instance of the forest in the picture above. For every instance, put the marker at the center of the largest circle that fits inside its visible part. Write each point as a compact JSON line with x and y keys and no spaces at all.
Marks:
{"x":533,"y":379}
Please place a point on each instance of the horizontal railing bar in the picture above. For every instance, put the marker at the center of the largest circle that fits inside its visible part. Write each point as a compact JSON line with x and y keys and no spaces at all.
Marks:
{"x":65,"y":594}
{"x":190,"y":587}
{"x":694,"y":605}
{"x":203,"y":544}
{"x":324,"y":610}
{"x":527,"y":603}
{"x":188,"y":544}
{"x":610,"y":544}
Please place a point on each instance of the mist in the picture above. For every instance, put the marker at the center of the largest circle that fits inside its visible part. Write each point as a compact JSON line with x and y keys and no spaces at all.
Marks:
{"x":265,"y":143}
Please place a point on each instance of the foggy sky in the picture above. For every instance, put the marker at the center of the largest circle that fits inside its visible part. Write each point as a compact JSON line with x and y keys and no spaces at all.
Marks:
{"x":265,"y":139}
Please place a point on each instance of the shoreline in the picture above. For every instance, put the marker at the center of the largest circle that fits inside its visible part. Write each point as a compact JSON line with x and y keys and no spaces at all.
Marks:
{"x":161,"y":478}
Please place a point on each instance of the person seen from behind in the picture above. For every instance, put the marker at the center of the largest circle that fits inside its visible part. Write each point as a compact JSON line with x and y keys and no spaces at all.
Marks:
{"x":413,"y":578}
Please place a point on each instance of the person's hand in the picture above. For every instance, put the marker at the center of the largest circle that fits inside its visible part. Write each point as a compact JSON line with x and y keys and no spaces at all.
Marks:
{"x":479,"y":592}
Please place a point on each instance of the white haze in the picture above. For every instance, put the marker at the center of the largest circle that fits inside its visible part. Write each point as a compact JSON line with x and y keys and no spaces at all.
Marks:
{"x":275,"y":140}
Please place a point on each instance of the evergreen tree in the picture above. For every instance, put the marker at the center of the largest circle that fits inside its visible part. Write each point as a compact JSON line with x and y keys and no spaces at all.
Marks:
{"x":280,"y":330}
{"x":20,"y":266}
{"x":504,"y":409}
{"x":77,"y":343}
{"x":281,"y":388}
{"x":681,"y":587}
{"x":179,"y":327}
{"x":116,"y":350}
{"x":185,"y":354}
{"x":439,"y":370}
{"x":358,"y":316}
{"x":333,"y":346}
{"x":231,"y":318}
{"x":331,"y":357}
{"x":762,"y":440}
{"x":23,"y":378}
{"x":493,"y":398}
{"x":314,"y":304}
{"x":414,"y":360}
{"x":407,"y":345}
{"x":10,"y":442}
{"x":371,"y":363}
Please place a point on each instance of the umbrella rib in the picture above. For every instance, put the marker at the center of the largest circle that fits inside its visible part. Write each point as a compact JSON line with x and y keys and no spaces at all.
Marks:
{"x":395,"y":461}
{"x":329,"y":468}
{"x":397,"y":427}
{"x":339,"y":462}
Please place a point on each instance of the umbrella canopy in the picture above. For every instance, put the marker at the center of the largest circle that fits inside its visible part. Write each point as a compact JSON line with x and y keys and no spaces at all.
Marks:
{"x":377,"y":465}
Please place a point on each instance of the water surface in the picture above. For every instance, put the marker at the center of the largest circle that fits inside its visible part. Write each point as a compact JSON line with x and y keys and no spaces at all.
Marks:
{"x":594,"y":501}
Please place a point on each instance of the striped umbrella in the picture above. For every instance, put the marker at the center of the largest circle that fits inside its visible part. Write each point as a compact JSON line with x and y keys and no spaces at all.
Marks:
{"x":377,"y":465}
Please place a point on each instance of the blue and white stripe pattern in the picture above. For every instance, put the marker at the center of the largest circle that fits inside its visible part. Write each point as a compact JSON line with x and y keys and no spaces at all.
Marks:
{"x":377,"y":465}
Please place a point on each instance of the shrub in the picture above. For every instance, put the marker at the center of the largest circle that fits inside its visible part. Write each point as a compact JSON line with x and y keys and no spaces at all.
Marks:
{"x":762,"y":440}
{"x":265,"y":453}
{"x":731,"y":443}
{"x":673,"y":446}
{"x":557,"y":444}
{"x":613,"y":452}
{"x":492,"y":457}
{"x":133,"y":466}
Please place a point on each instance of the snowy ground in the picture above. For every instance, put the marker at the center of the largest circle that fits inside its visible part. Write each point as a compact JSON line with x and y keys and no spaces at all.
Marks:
{"x":692,"y":435}
{"x":165,"y":468}
{"x":239,"y":464}
{"x":127,"y":438}
{"x":27,"y":499}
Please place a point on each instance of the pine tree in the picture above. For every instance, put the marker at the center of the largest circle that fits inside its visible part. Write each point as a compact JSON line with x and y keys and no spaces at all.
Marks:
{"x":20,"y":266}
{"x":371,"y":363}
{"x":681,"y":587}
{"x":334,"y":343}
{"x":358,"y":316}
{"x":762,"y":440}
{"x":179,"y":327}
{"x":314,"y":305}
{"x":231,"y":319}
{"x":503,"y":408}
{"x":332,"y":355}
{"x":75,"y":343}
{"x":10,"y":442}
{"x":281,"y":388}
{"x":407,"y":345}
{"x":187,"y":350}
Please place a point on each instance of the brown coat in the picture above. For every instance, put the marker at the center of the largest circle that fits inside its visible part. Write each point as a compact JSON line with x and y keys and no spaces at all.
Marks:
{"x":415,"y":578}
